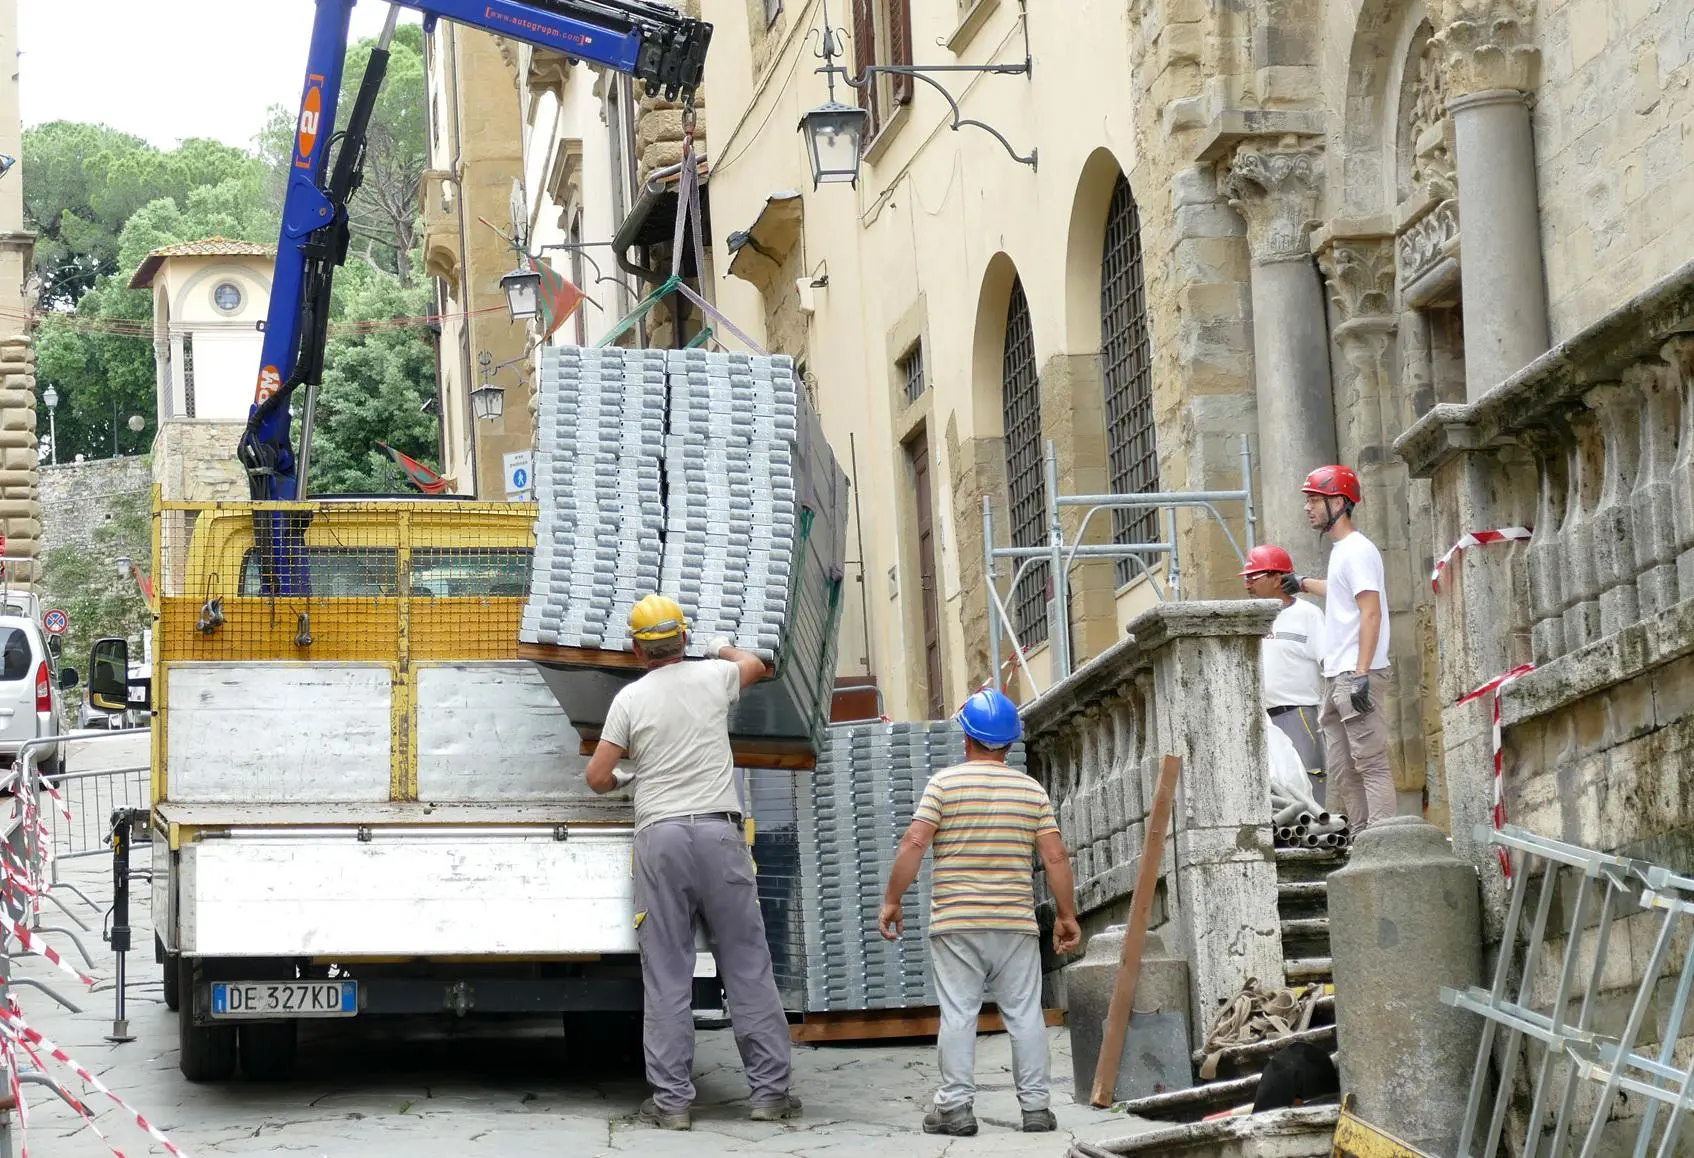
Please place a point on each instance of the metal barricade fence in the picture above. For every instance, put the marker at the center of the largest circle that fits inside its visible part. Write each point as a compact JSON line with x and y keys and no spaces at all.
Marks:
{"x":1550,"y":1016}
{"x":89,"y":796}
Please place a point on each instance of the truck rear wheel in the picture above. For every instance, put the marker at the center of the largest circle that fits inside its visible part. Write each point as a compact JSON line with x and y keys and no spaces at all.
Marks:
{"x":268,"y":1049}
{"x":173,"y":981}
{"x":205,"y":1053}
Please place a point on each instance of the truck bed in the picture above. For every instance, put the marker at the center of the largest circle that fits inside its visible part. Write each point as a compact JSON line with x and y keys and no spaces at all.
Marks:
{"x":614,"y":810}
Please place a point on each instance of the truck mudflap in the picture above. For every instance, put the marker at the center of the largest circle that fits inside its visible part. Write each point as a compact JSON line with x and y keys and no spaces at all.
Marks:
{"x":366,"y":891}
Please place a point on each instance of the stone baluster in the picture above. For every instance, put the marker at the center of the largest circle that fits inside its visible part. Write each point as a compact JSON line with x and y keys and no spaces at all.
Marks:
{"x":1094,"y":795}
{"x":1650,"y":505}
{"x":1619,"y":411}
{"x":1581,"y":579}
{"x":1546,"y":553}
{"x":1679,"y":353}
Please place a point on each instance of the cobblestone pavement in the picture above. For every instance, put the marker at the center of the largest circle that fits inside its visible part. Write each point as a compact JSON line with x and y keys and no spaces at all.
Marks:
{"x":421,"y":1088}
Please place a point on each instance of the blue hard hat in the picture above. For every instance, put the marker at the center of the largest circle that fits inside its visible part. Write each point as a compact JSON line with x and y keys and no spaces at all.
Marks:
{"x":991,"y":719}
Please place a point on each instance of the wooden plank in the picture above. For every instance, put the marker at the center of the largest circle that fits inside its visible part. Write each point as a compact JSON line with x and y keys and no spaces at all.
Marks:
{"x":578,"y":656}
{"x":757,"y":752}
{"x":1356,"y":1138}
{"x":589,"y":657}
{"x":1135,"y":937}
{"x":885,"y":1024}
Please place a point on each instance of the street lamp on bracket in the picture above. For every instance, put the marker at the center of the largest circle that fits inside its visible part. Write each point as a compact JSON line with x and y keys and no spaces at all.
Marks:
{"x":835,"y":132}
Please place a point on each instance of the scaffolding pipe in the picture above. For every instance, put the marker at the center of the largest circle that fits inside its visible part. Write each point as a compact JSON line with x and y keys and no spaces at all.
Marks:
{"x":989,"y":579}
{"x":1059,"y":631}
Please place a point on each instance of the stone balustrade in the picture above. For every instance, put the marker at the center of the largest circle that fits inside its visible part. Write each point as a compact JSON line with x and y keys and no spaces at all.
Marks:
{"x":1592,"y":445}
{"x":1186,"y":683}
{"x":1606,"y":422}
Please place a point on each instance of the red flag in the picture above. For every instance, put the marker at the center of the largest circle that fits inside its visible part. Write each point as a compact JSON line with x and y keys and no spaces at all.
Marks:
{"x":417,"y":473}
{"x":558,"y":298}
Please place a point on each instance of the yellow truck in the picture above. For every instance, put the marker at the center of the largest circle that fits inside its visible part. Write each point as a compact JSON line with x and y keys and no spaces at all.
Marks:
{"x":363,"y":802}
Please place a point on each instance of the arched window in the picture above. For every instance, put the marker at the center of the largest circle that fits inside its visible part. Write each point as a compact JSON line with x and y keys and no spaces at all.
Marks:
{"x":1126,"y":353}
{"x":1021,"y":392}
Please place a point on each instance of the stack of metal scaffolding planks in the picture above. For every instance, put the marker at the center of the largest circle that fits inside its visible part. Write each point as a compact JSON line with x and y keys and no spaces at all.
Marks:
{"x":826,"y":841}
{"x":705,"y":477}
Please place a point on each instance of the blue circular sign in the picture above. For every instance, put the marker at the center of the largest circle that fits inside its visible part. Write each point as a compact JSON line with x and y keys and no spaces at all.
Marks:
{"x":55,"y":622}
{"x":520,"y":479}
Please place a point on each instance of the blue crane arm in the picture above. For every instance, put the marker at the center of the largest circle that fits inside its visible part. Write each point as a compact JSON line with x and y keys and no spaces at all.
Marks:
{"x":653,"y":43}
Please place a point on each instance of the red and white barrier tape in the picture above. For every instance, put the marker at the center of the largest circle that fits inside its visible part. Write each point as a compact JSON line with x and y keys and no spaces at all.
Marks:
{"x":9,"y":1041}
{"x":1475,"y":539}
{"x":34,"y":1037}
{"x":1494,"y":687}
{"x":64,"y":809}
{"x":35,"y":944}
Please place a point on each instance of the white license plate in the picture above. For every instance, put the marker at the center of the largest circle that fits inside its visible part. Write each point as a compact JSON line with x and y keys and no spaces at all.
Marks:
{"x":285,"y":998}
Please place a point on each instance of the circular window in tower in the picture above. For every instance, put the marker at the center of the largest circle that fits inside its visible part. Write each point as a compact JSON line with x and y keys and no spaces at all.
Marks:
{"x":227,"y":297}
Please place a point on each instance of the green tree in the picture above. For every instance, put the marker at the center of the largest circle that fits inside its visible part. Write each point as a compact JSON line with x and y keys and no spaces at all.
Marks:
{"x":383,"y":214}
{"x":100,"y":356}
{"x":374,"y":389}
{"x":84,"y":582}
{"x":82,"y":183}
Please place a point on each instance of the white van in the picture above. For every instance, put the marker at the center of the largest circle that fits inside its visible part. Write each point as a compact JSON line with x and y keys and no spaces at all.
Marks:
{"x":32,"y":686}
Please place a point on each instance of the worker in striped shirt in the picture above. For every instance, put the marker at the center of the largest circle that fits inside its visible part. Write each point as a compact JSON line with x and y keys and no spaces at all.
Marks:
{"x":986,"y":822}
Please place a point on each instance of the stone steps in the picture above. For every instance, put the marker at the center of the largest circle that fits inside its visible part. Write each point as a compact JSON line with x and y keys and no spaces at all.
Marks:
{"x":1302,"y":894}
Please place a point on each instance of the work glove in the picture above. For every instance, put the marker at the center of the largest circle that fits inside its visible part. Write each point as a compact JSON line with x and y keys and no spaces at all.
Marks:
{"x":1291,"y":584}
{"x":1362,"y":703}
{"x":719,"y":642}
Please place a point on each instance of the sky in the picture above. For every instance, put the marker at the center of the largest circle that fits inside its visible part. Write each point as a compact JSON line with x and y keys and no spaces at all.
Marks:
{"x":169,"y":69}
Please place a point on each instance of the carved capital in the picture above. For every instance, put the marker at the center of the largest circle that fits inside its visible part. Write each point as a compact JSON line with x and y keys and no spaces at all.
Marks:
{"x":1486,"y":44}
{"x":1427,"y":241}
{"x":1359,"y":272}
{"x":1275,"y":187}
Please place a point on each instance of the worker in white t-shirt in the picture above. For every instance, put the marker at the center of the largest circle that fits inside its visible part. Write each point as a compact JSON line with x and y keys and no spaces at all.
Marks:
{"x":1290,"y":660}
{"x":1355,"y":649}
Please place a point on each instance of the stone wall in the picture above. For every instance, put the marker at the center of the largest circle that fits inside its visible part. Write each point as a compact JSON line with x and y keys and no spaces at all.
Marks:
{"x":1185,"y":684}
{"x":1612,"y":124}
{"x":76,"y":497}
{"x":1592,"y":445}
{"x":20,"y":506}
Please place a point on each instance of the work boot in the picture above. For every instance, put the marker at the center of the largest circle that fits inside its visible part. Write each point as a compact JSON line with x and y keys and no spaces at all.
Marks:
{"x":959,"y":1122}
{"x":1039,"y":1122}
{"x":785,"y":1107}
{"x":666,"y":1119}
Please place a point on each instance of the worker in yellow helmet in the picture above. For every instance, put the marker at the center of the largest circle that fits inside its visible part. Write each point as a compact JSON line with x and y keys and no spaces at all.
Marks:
{"x":691,"y":861}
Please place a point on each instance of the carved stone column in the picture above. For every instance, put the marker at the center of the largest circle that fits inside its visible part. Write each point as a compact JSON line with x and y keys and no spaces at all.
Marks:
{"x":1274,"y":185}
{"x":1489,"y":60}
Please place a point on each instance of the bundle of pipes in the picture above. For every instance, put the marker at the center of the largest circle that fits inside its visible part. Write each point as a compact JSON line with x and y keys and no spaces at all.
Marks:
{"x":1296,"y":827}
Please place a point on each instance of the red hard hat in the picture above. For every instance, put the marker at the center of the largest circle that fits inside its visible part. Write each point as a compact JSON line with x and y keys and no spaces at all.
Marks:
{"x":1268,"y":558}
{"x":1341,"y":481}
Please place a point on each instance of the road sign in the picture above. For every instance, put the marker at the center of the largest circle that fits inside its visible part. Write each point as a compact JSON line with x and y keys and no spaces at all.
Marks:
{"x":520,"y":474}
{"x":55,"y":622}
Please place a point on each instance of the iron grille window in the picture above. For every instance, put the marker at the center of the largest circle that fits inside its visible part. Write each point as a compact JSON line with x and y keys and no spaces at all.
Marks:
{"x":1021,"y":392}
{"x":188,"y":375}
{"x":911,"y":368}
{"x":1126,"y":352}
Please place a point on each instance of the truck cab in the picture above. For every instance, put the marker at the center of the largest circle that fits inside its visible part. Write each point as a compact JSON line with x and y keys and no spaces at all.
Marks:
{"x":363,"y":802}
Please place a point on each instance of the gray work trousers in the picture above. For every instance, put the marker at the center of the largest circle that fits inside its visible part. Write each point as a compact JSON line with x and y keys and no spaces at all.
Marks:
{"x":683,"y":868}
{"x":1007,"y":968}
{"x":1357,"y":748}
{"x":1301,"y":726}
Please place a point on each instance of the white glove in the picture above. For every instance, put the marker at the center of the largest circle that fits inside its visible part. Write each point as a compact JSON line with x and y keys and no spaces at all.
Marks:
{"x":622,"y":778}
{"x":719,"y":642}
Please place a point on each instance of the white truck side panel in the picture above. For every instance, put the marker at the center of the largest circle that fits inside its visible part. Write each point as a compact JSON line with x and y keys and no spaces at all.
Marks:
{"x":240,"y":732}
{"x":403,"y":895}
{"x":493,"y":732}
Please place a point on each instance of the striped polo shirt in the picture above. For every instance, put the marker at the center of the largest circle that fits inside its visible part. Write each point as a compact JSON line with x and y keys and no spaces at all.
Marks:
{"x":987,"y":817}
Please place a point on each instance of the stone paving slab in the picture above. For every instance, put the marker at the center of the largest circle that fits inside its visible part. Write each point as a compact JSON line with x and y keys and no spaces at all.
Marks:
{"x":423,"y":1088}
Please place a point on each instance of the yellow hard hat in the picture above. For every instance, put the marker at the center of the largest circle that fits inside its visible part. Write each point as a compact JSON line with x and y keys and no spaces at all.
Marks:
{"x":657,"y":617}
